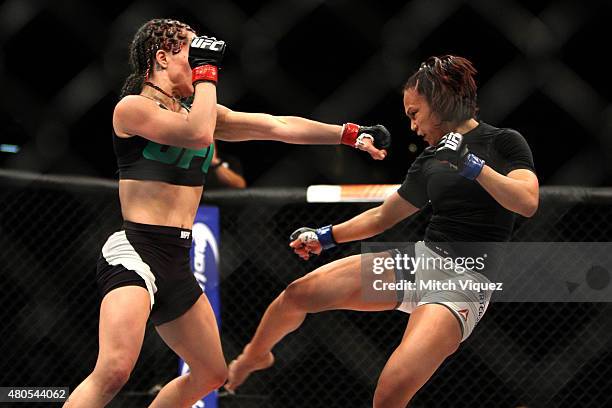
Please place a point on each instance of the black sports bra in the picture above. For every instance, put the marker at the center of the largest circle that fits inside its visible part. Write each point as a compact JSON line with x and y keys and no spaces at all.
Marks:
{"x":142,"y":159}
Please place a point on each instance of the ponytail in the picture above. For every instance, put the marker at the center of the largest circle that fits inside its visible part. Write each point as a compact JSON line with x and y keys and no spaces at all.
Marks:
{"x":132,"y":85}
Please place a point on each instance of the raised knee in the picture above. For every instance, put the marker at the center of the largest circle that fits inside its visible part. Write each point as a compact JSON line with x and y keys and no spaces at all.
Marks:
{"x":298,"y":295}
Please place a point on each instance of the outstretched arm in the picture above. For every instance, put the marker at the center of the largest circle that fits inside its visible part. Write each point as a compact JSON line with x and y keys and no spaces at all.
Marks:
{"x":239,"y":126}
{"x":365,"y":225}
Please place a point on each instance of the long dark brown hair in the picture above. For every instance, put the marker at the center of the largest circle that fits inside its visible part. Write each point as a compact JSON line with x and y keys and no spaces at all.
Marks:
{"x":154,"y":35}
{"x":448,"y":85}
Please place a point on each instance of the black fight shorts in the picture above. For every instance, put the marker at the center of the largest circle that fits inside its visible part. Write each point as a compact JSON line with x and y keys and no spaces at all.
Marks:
{"x":155,"y":258}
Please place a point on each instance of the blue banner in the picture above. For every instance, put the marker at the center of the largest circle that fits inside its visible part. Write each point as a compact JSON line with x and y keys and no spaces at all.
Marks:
{"x":205,"y":266}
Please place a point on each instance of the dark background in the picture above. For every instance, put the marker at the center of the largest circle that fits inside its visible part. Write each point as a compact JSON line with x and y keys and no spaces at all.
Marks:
{"x":542,"y":70}
{"x":548,"y":355}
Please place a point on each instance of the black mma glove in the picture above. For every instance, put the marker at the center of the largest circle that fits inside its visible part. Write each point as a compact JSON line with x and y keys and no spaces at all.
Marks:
{"x":205,"y":56}
{"x":352,"y":135}
{"x":453,"y":150}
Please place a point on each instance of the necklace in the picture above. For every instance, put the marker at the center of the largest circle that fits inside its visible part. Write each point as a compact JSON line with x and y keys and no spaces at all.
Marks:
{"x":157,"y":88}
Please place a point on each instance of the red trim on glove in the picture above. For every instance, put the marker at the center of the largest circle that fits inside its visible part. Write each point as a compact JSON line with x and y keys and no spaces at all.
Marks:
{"x":350,"y":132}
{"x":206,"y":73}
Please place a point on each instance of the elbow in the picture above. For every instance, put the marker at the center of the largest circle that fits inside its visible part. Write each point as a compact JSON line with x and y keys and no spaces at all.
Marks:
{"x":200,"y":133}
{"x":529,"y":208}
{"x":202,"y":139}
{"x":380,"y":225}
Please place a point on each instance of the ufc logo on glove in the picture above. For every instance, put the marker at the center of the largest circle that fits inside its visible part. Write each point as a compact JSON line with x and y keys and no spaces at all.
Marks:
{"x":210,"y":43}
{"x":452,"y":141}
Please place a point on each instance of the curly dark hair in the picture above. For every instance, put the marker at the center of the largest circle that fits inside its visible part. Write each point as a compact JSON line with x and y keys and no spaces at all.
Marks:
{"x":448,"y":85}
{"x":154,"y":35}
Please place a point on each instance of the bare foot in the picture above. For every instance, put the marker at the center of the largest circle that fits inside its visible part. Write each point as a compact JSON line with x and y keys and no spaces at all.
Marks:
{"x":240,"y":369}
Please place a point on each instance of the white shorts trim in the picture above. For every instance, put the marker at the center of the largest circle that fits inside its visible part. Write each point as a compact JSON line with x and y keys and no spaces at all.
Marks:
{"x":118,"y":251}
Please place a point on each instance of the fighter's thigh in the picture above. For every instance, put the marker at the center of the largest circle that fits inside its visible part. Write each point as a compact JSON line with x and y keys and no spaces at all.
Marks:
{"x":123,"y":318}
{"x":341,"y":284}
{"x":194,"y":336}
{"x":432,"y":334}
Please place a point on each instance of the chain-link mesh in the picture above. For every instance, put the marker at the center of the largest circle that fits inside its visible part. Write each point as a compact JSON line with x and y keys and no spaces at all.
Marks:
{"x":539,"y":72}
{"x":540,"y":355}
{"x":532,"y":57}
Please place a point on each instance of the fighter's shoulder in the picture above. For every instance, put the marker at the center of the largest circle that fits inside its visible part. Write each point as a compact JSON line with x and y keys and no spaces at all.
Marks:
{"x":500,"y":133}
{"x":507,"y":138}
{"x":134,"y":105}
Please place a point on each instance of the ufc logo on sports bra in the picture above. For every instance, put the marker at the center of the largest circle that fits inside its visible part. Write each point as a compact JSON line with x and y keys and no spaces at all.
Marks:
{"x":177,"y":156}
{"x":452,"y":141}
{"x":210,"y":43}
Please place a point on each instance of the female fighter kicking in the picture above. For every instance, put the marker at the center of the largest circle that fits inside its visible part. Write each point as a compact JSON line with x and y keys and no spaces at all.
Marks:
{"x":475,"y":176}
